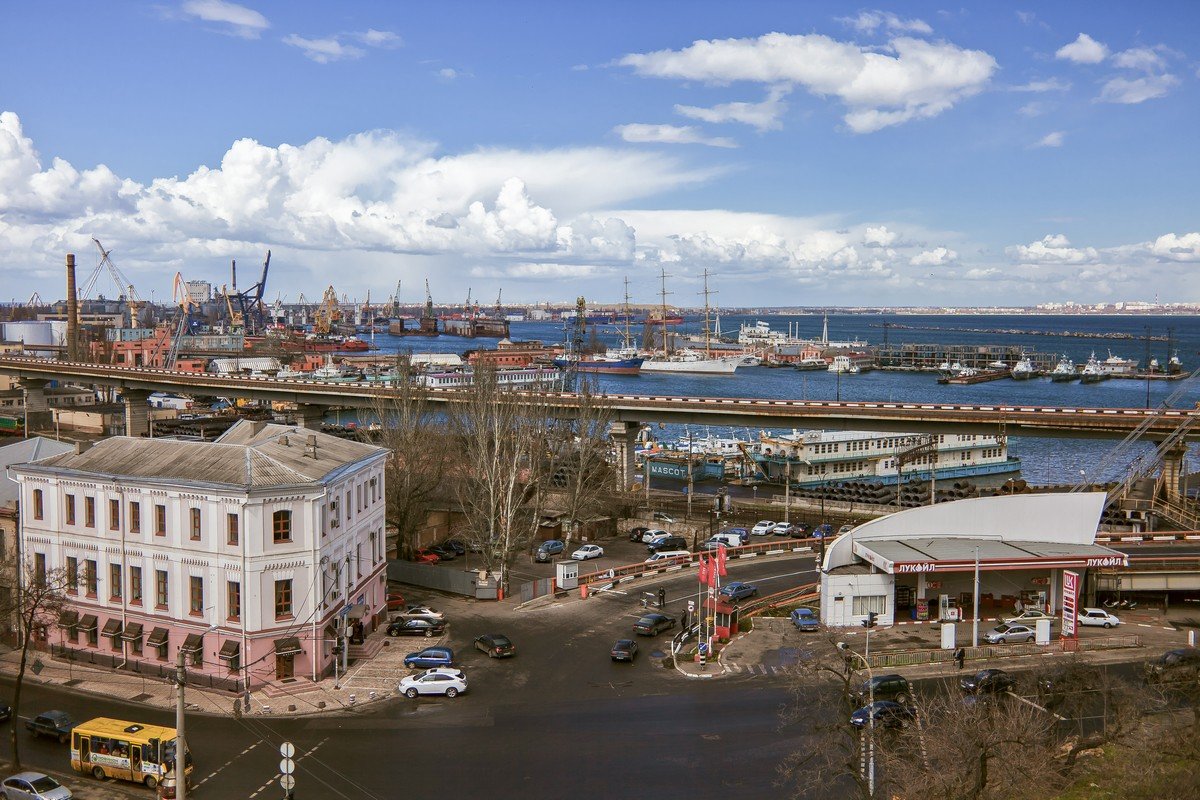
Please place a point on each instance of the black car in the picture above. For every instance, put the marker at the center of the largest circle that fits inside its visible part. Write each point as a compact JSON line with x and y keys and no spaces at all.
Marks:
{"x":55,"y":724}
{"x":1054,"y":686}
{"x":496,"y":645}
{"x":456,"y":546}
{"x":799,"y":531}
{"x":5,"y":712}
{"x":1181,"y":664}
{"x":416,"y":627}
{"x":624,"y":650}
{"x":668,"y":543}
{"x":653,"y":624}
{"x":884,"y":687}
{"x":635,"y":534}
{"x":987,"y":681}
{"x":887,"y":714}
{"x":443,"y":551}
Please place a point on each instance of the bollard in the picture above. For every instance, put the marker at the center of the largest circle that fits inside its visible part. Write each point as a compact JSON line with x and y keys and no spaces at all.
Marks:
{"x":352,"y":699}
{"x":371,"y":695}
{"x":266,"y":709}
{"x":583,"y":592}
{"x":703,"y":656}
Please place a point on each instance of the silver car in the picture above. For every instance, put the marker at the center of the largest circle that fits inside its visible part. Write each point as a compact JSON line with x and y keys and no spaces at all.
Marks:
{"x":1011,"y":633}
{"x":34,"y":786}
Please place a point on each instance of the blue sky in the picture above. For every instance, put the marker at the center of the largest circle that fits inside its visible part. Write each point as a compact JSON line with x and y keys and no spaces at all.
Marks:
{"x":804,"y":153}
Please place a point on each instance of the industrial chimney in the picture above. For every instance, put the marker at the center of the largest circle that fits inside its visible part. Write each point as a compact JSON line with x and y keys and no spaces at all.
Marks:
{"x":72,"y":312}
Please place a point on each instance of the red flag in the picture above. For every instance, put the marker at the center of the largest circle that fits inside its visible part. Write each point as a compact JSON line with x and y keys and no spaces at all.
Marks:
{"x":702,"y":572}
{"x":721,"y":561}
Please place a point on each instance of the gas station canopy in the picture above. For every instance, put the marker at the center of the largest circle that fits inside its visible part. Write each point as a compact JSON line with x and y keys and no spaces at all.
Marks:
{"x":957,"y":554}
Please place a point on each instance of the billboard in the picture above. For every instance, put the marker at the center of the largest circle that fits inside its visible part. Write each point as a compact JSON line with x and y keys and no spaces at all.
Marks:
{"x":1070,"y":604}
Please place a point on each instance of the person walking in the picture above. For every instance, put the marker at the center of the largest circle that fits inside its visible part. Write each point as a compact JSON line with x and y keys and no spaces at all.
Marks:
{"x":960,"y":655}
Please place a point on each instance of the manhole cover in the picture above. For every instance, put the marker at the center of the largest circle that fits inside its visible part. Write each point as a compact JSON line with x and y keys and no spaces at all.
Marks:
{"x":137,"y":698}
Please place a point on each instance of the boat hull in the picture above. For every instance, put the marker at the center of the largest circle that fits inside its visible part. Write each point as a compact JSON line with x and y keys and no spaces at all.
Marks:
{"x":690,"y":367}
{"x":624,"y":366}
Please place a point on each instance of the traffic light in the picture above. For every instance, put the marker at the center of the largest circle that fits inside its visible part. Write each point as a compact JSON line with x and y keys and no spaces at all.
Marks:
{"x":871,"y":621}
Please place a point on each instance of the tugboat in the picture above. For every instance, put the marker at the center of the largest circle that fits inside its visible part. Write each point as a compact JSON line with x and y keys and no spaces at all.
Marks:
{"x":1064,"y":371}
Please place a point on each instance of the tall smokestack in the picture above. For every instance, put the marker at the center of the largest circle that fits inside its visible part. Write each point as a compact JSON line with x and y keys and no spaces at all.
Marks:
{"x":72,"y":311}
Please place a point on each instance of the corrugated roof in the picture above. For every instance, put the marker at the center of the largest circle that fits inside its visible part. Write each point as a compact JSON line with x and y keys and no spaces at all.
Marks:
{"x":248,"y":454}
{"x":963,"y":549}
{"x":22,"y":452}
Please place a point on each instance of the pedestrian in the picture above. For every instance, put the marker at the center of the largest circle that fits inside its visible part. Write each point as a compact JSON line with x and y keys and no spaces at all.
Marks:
{"x":960,"y":655}
{"x":662,"y":597}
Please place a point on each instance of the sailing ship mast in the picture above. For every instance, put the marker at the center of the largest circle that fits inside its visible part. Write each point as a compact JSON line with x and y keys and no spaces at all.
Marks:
{"x":663,"y":311}
{"x":707,"y":319}
{"x":627,"y":343}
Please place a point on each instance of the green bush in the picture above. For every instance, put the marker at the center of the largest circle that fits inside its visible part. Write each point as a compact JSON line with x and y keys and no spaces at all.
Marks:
{"x":745,"y":624}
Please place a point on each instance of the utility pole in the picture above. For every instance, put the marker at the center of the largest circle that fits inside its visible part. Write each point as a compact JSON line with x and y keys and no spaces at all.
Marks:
{"x":180,"y":739}
{"x":975,"y":609}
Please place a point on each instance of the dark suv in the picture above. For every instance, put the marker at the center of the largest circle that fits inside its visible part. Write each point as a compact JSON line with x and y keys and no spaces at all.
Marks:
{"x":987,"y":681}
{"x":1182,"y":664}
{"x":55,"y":724}
{"x":886,"y":687}
{"x":669,"y":543}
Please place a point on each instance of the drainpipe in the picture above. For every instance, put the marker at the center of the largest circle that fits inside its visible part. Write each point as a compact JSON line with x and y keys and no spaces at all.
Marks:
{"x":316,"y":564}
{"x":242,"y":612}
{"x":120,"y":490}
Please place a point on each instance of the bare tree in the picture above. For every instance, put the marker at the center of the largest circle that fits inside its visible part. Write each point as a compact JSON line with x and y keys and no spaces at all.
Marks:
{"x":505,"y":440}
{"x":580,"y":475}
{"x":421,"y":454}
{"x":36,"y":606}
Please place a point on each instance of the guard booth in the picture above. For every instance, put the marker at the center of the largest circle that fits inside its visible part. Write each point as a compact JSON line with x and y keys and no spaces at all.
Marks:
{"x":567,"y":574}
{"x":725,"y":617}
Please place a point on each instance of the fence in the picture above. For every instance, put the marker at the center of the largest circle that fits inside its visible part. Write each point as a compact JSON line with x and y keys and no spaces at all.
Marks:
{"x":631,"y":571}
{"x":538,"y":588}
{"x":796,"y":594}
{"x":908,"y":658}
{"x":445,"y":580}
{"x":151,"y":669}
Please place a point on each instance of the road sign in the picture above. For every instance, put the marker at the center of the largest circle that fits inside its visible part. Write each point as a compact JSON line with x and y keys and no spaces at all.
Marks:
{"x":691,"y":606}
{"x":1070,"y":602}
{"x":287,"y":749}
{"x":287,"y":766}
{"x":288,"y":782}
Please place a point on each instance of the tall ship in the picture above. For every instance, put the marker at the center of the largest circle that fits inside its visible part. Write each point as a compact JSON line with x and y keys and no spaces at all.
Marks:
{"x":623,"y":360}
{"x":689,"y":360}
{"x":816,"y":457}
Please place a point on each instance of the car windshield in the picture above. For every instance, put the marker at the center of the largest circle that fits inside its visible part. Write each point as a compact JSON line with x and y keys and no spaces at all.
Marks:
{"x":501,"y":641}
{"x":1004,"y":628}
{"x":44,"y":784}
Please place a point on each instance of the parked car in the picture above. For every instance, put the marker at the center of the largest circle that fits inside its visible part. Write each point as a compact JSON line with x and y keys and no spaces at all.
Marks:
{"x":723,"y":540}
{"x":1098,"y":616}
{"x":624,"y":650}
{"x":784,"y":529}
{"x":430,"y":657}
{"x":662,"y":516}
{"x":845,"y":529}
{"x":426,"y":556}
{"x":496,"y":645}
{"x":887,"y":714}
{"x":650,"y":534}
{"x":668,"y":543}
{"x":588,"y":551}
{"x":5,"y":712}
{"x":884,"y":687}
{"x":635,"y":533}
{"x":822,"y":531}
{"x":1010,"y":633}
{"x":443,"y":552}
{"x":805,"y":619}
{"x":416,"y":627}
{"x":738,"y":591}
{"x":1181,"y":664}
{"x":987,"y":681}
{"x":441,"y":680}
{"x":395,"y":601}
{"x":456,"y":545}
{"x":55,"y":724}
{"x":34,"y":786}
{"x":669,"y":557}
{"x":762,"y":528}
{"x":743,"y":534}
{"x":548,"y":549}
{"x":1053,"y":686}
{"x":799,"y":531}
{"x":1029,"y":617}
{"x":422,"y":612}
{"x":653,"y":624}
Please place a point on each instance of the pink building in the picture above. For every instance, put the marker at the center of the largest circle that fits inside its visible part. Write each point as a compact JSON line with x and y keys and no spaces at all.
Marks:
{"x":252,"y":554}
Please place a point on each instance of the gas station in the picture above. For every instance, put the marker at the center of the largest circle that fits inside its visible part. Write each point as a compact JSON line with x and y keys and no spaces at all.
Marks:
{"x":923,"y":564}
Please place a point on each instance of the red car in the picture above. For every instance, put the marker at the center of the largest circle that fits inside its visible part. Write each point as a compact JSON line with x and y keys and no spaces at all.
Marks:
{"x":395,"y":601}
{"x":424,"y":556}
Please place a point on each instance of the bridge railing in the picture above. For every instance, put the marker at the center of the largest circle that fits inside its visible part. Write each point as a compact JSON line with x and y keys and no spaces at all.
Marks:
{"x":631,"y":571}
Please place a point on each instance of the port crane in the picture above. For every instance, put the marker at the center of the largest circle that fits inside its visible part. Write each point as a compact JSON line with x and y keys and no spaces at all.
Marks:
{"x":246,"y":309}
{"x":125,"y":290}
{"x":396,"y":302}
{"x":329,"y":313}
{"x":184,"y":302}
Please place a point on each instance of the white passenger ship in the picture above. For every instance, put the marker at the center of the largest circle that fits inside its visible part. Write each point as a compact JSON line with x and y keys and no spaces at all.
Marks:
{"x":820,"y":457}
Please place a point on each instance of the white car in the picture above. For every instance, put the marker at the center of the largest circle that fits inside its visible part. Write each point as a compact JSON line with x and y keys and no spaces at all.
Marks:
{"x":439,"y":680}
{"x":652,"y":534}
{"x":1098,"y":616}
{"x":588,"y":551}
{"x":1010,"y":633}
{"x":1030,"y":616}
{"x":784,"y":529}
{"x":762,"y":528}
{"x":418,"y":612}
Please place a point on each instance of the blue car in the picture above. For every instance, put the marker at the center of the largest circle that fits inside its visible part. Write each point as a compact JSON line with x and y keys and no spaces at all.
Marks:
{"x":822,"y":531}
{"x":741,"y":533}
{"x":804,"y":619}
{"x":738,"y":590}
{"x":430,"y":657}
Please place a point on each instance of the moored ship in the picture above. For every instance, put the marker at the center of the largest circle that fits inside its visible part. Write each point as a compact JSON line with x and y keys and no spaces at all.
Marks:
{"x":1064,"y":371}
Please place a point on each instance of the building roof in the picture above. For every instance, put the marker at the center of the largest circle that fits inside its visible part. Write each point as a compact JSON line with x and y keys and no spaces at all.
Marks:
{"x":22,"y":452}
{"x":953,"y":554}
{"x":248,"y":455}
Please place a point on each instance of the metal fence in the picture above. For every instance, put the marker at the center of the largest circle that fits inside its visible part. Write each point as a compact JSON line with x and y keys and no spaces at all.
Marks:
{"x":908,"y":658}
{"x":444,"y":580}
{"x":538,"y":588}
{"x":150,"y":669}
{"x":629,"y":571}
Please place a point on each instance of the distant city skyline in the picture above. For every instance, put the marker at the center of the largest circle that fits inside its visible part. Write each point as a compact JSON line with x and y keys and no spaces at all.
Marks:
{"x":816,"y":154}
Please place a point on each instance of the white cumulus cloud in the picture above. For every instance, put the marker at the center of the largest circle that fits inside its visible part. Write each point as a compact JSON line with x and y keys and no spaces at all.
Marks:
{"x":1144,"y":58}
{"x":324,"y":51}
{"x":1137,"y":90}
{"x":670,"y":134}
{"x":374,"y":38}
{"x":1052,"y":249}
{"x":937,"y":257}
{"x":762,"y":116}
{"x":1177,"y":248}
{"x":238,"y":20}
{"x":870,"y":21}
{"x":1084,"y":50}
{"x":913,"y":79}
{"x":879,"y":236}
{"x":1052,"y":139}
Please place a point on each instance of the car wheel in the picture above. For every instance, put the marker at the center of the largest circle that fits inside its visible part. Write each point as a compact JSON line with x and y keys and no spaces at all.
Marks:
{"x":411,"y":694}
{"x":98,"y":773}
{"x":393,"y":632}
{"x":1107,"y":625}
{"x":452,"y":693}
{"x":1030,"y":639}
{"x":428,"y":634}
{"x":151,"y":782}
{"x":902,"y":698}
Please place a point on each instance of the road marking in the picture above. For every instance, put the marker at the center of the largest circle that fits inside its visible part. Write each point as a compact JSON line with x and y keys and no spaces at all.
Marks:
{"x":1035,"y":705}
{"x":274,"y":779}
{"x":213,"y":774}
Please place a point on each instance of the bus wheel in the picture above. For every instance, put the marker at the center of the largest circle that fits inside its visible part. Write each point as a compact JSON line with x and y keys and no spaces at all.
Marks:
{"x":151,"y":782}
{"x":98,"y":773}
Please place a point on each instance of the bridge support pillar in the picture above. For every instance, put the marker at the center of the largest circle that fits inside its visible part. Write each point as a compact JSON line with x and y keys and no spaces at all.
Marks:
{"x":625,"y":435}
{"x":1173,"y":470}
{"x":37,"y":407}
{"x":309,"y":416}
{"x":137,"y":412}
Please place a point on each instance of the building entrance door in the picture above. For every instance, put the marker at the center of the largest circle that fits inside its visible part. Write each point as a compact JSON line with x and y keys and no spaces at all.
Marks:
{"x":285,"y":667}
